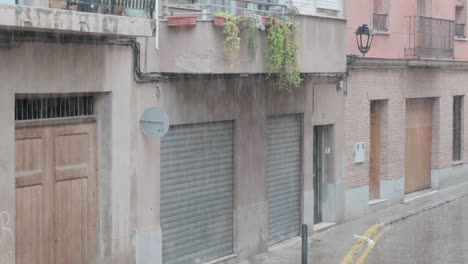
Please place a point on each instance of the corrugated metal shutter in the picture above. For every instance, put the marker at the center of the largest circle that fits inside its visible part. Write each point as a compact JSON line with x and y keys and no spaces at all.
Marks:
{"x":284,"y":177}
{"x":196,"y":192}
{"x":330,"y":4}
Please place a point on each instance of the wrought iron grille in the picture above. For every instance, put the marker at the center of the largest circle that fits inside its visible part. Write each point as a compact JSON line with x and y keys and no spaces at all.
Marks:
{"x":457,"y":126}
{"x":460,"y":30}
{"x":380,"y":22}
{"x":55,"y":107}
{"x":430,"y":38}
{"x":205,"y":9}
{"x":110,"y":6}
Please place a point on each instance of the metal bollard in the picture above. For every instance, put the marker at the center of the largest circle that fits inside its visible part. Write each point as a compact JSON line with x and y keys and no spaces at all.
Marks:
{"x":304,"y":244}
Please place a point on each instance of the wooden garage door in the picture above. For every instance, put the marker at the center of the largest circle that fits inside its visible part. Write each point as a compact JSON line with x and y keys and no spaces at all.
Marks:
{"x":56,"y":199}
{"x":418,"y":144}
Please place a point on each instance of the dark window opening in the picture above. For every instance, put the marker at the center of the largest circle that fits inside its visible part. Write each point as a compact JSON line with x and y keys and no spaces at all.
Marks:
{"x":457,"y":126}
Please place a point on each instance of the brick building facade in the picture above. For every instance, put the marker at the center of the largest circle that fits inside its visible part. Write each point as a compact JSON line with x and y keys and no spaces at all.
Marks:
{"x":396,"y":83}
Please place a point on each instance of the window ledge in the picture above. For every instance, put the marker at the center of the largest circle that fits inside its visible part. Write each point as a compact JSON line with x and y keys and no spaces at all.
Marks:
{"x":381,"y":32}
{"x":461,"y":39}
{"x":458,"y":162}
{"x":323,"y":16}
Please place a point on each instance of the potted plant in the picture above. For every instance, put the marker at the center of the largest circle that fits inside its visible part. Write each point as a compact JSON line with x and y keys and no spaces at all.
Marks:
{"x":182,"y":20}
{"x":266,"y":21}
{"x":231,"y":29}
{"x":252,"y":23}
{"x":219,"y":20}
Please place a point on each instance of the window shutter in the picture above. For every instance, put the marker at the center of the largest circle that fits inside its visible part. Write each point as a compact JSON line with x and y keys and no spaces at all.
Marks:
{"x":306,"y":7}
{"x":335,"y":5}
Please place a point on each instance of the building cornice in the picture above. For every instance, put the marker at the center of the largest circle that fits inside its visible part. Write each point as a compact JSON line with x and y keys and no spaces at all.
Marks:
{"x":381,"y":63}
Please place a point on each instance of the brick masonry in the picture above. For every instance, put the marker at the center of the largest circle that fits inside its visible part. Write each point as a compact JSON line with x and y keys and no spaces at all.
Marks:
{"x":394,"y":86}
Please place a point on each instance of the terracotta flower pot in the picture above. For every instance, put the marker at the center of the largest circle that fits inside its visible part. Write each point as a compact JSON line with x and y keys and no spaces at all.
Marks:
{"x":266,"y":21}
{"x":219,"y":21}
{"x":118,"y":10}
{"x":174,"y":21}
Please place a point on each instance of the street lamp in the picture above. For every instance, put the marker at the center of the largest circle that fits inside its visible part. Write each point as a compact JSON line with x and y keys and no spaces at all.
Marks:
{"x":364,"y":44}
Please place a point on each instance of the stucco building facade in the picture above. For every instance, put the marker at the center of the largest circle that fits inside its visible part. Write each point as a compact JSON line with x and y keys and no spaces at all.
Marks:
{"x":79,"y":179}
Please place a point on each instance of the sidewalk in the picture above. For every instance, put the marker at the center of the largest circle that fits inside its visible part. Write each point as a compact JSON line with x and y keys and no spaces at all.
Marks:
{"x":332,"y":245}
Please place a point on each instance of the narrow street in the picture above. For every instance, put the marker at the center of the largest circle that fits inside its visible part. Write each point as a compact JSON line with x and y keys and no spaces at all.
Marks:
{"x":429,"y":229}
{"x":436,"y":236}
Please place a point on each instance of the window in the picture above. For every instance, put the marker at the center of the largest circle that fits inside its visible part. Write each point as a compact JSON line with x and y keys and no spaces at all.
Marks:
{"x":332,"y":5}
{"x":381,"y":9}
{"x":53,"y":107}
{"x":457,"y":126}
{"x":460,"y":18}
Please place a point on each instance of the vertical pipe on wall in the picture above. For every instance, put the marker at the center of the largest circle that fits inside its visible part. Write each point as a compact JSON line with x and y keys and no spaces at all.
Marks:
{"x":156,"y":12}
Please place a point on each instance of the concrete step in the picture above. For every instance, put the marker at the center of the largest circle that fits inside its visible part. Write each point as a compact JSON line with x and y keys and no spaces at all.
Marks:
{"x":378,"y":204}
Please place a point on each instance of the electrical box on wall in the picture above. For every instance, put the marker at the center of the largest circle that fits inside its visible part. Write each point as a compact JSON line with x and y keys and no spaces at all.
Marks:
{"x":359,"y":152}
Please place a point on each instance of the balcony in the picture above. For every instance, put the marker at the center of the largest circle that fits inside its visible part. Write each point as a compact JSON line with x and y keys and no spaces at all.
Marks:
{"x":206,"y":9}
{"x":199,"y":47}
{"x":460,"y":30}
{"x":430,"y":38}
{"x":112,"y":18}
{"x":380,"y":22}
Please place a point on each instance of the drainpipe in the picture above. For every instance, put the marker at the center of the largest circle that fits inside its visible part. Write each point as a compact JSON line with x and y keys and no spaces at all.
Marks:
{"x":156,"y":12}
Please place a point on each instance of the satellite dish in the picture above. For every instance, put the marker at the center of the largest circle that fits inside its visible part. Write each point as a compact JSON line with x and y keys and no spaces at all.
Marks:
{"x":154,"y":123}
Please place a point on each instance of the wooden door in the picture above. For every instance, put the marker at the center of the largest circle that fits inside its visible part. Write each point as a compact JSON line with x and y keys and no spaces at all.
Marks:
{"x":418,"y":144}
{"x":374,"y":155}
{"x":56,"y":194}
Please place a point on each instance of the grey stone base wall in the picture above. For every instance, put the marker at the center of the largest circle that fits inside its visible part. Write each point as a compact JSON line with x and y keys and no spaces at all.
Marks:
{"x":442,"y":178}
{"x":357,"y":202}
{"x":392,"y":189}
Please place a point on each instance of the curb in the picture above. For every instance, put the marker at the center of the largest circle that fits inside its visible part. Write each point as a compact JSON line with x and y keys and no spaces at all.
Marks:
{"x":421,"y":210}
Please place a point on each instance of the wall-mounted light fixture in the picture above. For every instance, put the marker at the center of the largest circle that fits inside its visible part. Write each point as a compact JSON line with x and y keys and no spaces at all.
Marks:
{"x":364,"y":36}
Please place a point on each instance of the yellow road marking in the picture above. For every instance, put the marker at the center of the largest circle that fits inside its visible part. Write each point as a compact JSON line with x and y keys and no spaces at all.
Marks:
{"x":352,"y":252}
{"x":371,"y":246}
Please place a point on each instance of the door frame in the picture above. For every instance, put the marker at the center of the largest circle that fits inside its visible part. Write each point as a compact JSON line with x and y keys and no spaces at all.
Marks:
{"x":323,"y":172}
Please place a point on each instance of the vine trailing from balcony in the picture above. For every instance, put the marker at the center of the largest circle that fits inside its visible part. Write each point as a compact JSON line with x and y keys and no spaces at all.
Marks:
{"x":281,"y":53}
{"x":253,"y":23}
{"x":281,"y":50}
{"x":231,"y":31}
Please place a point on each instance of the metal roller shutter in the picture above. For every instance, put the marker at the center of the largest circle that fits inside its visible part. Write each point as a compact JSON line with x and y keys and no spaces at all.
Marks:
{"x":196,"y":192}
{"x":284,"y":177}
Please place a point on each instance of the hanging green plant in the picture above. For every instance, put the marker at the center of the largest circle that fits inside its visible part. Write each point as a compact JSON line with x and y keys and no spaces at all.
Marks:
{"x":231,"y":31}
{"x":253,"y":23}
{"x":281,"y":54}
{"x":252,"y":32}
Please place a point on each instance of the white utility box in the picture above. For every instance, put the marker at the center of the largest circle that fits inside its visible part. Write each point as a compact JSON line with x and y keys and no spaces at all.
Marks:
{"x":359,"y":152}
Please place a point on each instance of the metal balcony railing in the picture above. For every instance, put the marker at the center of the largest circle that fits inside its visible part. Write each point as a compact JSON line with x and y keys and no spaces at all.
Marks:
{"x":460,"y":30}
{"x":205,"y":9}
{"x":430,"y":37}
{"x":114,"y":7}
{"x":380,"y":22}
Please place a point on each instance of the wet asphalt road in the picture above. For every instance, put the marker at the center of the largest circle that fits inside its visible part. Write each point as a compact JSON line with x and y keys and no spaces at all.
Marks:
{"x":436,"y":236}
